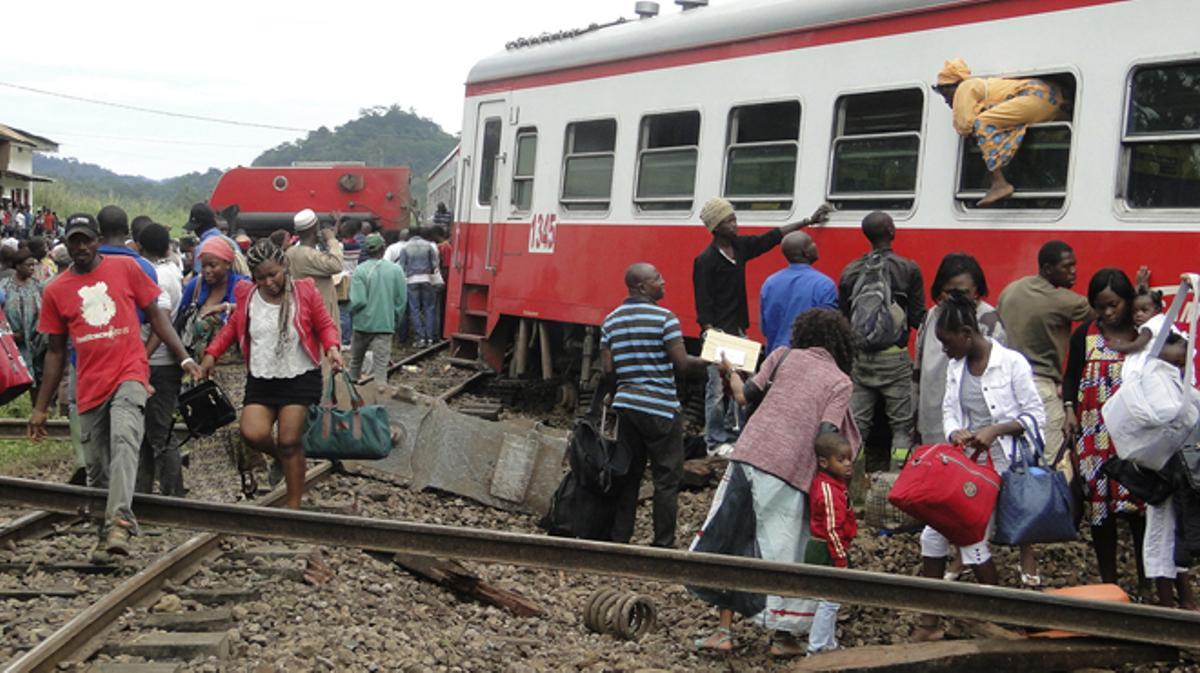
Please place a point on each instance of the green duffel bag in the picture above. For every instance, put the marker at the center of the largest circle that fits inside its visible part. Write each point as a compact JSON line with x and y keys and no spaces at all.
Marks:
{"x":362,"y":433}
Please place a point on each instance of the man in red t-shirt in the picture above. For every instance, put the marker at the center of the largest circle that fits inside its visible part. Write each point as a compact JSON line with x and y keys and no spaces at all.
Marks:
{"x":96,"y":303}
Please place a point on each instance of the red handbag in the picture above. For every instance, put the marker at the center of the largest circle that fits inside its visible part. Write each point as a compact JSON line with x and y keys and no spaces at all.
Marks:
{"x":14,"y":373}
{"x":952,"y":493}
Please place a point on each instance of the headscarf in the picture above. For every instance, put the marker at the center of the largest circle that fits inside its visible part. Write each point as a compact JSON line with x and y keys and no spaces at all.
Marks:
{"x":714,"y":212}
{"x":217,"y":247}
{"x":953,"y":72}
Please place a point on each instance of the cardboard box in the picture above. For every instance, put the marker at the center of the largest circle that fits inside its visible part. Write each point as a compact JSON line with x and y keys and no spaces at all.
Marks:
{"x":741,"y":353}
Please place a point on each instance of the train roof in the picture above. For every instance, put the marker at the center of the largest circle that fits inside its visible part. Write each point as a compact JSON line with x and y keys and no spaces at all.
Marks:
{"x":699,"y":27}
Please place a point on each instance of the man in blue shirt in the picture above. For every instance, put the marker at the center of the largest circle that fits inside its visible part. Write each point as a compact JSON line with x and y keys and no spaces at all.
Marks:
{"x":641,"y":351}
{"x":793,"y":290}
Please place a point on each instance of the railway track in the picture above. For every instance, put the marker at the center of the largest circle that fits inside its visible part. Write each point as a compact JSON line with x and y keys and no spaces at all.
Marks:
{"x":18,"y":428}
{"x":1159,"y":626}
{"x":80,"y":632}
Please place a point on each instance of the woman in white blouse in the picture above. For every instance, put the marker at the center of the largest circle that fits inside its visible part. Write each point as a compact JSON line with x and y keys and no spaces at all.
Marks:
{"x":988,"y":387}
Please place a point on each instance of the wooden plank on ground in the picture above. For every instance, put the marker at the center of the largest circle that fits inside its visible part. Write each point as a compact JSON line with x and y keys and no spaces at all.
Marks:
{"x":453,"y":575}
{"x":993,"y":656}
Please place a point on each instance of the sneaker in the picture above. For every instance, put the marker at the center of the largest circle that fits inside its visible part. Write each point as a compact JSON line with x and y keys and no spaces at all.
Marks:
{"x":116,"y":543}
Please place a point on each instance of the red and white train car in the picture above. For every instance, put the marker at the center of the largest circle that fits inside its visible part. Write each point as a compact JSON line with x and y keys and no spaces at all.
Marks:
{"x":582,"y":155}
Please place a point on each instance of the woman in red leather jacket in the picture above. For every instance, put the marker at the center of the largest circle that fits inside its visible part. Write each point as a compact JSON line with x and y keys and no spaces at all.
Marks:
{"x":283,"y":330}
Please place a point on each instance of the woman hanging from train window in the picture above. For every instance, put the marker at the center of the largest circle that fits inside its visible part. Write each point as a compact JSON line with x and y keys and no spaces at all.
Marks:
{"x":283,"y":330}
{"x":996,"y":111}
{"x":761,"y":507}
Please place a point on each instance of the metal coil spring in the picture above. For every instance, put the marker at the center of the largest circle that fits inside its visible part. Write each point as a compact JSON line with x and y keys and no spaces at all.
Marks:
{"x":619,"y":613}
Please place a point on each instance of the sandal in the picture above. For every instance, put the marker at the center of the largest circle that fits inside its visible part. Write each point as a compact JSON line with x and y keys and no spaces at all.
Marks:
{"x":1029,"y":580}
{"x":785,"y":646}
{"x":722,"y":645}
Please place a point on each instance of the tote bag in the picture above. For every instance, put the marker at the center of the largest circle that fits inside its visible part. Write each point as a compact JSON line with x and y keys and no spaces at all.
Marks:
{"x":952,"y":493}
{"x":1034,"y":505}
{"x":15,"y":378}
{"x":362,"y":433}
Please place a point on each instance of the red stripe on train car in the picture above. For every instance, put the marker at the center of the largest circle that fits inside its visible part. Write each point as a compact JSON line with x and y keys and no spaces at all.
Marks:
{"x":929,"y":19}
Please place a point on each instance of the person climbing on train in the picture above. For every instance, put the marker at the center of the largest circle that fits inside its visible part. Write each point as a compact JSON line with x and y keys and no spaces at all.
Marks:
{"x":761,"y":507}
{"x":997,"y":112}
{"x":719,"y":283}
{"x":641,"y":354}
{"x":283,"y":330}
{"x":988,"y":388}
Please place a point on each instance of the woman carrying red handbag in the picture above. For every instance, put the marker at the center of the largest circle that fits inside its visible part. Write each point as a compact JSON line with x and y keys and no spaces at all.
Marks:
{"x":988,"y":387}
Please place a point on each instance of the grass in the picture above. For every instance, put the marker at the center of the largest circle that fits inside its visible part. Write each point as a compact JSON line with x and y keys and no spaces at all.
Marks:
{"x":65,"y":199}
{"x":18,"y":455}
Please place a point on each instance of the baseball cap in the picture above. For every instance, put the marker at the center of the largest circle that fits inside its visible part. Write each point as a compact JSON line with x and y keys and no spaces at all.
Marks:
{"x":82,"y":223}
{"x":373,"y":242}
{"x":202,"y":217}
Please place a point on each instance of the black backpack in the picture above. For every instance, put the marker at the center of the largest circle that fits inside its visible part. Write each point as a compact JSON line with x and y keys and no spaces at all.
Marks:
{"x":583,"y":506}
{"x":876,"y":318}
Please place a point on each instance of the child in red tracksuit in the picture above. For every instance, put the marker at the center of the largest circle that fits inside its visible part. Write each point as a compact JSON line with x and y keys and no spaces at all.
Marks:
{"x":833,"y":526}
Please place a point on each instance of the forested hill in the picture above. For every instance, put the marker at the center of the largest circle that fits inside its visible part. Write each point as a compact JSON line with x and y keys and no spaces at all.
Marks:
{"x":381,"y":136}
{"x":187,"y":188}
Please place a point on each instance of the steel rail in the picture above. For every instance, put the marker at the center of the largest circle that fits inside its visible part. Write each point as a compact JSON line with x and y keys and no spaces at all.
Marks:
{"x":32,"y":524}
{"x":460,"y":387}
{"x":73,"y":636}
{"x":1011,"y":606}
{"x":18,"y":428}
{"x":407,"y":360}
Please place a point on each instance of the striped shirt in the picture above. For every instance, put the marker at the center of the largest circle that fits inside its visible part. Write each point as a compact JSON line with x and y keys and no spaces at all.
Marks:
{"x":637,"y":334}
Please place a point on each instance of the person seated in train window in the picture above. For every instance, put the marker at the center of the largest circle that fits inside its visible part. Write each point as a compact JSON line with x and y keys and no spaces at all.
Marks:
{"x":996,"y":111}
{"x":719,"y":282}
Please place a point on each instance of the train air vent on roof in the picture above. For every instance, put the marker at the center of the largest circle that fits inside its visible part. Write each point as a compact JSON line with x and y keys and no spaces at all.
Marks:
{"x":646,"y":9}
{"x":691,"y":4}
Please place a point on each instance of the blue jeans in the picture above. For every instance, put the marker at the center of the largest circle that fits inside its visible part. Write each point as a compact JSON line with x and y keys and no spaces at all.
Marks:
{"x":422,"y":310}
{"x":345,"y":318}
{"x":723,"y":418}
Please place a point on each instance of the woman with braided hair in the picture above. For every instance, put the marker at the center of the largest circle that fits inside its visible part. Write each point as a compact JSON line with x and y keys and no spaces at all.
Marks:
{"x":283,"y":330}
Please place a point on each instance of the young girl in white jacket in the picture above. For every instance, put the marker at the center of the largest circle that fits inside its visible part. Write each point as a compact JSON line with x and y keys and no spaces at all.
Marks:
{"x":988,"y":387}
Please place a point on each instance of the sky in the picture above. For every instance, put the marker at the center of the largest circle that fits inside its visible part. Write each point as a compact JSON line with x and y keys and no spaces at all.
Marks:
{"x":300,"y":64}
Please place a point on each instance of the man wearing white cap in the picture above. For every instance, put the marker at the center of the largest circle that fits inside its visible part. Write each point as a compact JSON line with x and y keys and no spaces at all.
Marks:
{"x":307,"y":260}
{"x":719,"y":281}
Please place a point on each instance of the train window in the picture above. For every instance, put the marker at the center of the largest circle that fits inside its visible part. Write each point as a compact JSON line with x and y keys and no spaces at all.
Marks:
{"x":666,"y":167}
{"x":588,"y":164}
{"x":760,"y":159}
{"x":1038,"y":170}
{"x":876,"y":149}
{"x":1162,"y":137}
{"x":487,"y":162}
{"x":522,"y":178}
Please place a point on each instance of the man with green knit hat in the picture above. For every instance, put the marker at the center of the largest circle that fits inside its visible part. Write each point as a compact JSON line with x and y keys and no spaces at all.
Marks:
{"x":378,"y":293}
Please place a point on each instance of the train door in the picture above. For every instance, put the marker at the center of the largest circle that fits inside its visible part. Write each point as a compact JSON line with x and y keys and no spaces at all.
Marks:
{"x":489,"y":168}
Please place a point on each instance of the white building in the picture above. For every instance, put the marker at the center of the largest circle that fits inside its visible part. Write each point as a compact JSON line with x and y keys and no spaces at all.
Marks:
{"x":16,"y":164}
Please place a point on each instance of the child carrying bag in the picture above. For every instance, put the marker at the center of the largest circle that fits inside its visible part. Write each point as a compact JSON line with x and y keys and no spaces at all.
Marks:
{"x":1034,"y":505}
{"x":362,"y":433}
{"x":947,"y":490}
{"x":1153,"y":412}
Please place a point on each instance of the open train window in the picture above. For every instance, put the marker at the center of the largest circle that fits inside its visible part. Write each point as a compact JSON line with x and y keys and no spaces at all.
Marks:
{"x":876,"y":150}
{"x":760,"y":156}
{"x":1161,"y":143}
{"x":588,"y":164}
{"x":522,"y":176}
{"x":668,"y":148}
{"x":487,"y":163}
{"x":1038,"y":170}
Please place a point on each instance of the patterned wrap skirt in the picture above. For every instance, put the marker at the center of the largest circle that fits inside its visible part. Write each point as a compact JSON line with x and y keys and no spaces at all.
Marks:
{"x":1000,"y":128}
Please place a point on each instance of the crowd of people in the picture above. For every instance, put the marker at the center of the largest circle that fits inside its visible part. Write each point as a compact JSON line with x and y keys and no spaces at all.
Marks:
{"x":110,"y":315}
{"x":837,"y":355}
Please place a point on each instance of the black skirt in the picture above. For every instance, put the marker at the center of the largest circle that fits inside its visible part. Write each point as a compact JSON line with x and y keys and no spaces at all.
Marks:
{"x":304,"y":389}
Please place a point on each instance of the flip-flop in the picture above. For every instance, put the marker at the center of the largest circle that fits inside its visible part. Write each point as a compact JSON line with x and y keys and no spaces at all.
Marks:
{"x":1028,"y":580}
{"x":726,"y":637}
{"x":781,"y":647}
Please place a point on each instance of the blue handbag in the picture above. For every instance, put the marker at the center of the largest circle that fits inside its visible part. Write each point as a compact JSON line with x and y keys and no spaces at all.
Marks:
{"x":1034,"y":506}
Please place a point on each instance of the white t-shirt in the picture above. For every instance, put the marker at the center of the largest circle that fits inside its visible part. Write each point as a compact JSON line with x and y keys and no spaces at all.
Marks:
{"x":1134,"y":362}
{"x":170,"y":285}
{"x":264,"y":334}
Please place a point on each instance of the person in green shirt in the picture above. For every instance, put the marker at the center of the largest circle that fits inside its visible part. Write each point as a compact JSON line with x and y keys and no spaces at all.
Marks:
{"x":378,"y":293}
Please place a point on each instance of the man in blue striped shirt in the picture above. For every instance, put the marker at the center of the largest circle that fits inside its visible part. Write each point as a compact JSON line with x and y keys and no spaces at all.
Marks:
{"x":641,"y":351}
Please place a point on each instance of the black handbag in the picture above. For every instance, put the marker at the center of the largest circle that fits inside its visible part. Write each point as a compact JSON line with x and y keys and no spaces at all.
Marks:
{"x":1143,"y":483}
{"x":205,"y":409}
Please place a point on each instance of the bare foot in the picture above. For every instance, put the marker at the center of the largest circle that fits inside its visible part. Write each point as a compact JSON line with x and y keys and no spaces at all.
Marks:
{"x":995,"y":194}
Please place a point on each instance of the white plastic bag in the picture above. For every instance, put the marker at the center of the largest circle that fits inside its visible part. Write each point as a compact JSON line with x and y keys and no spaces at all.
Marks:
{"x":1153,"y":412}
